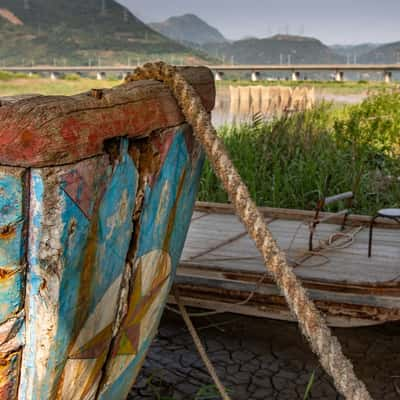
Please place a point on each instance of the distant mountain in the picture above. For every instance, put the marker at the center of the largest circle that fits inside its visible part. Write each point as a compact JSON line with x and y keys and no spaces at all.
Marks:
{"x":190,"y":29}
{"x":275,"y":50}
{"x":79,"y":32}
{"x":352,"y":53}
{"x":384,"y":54}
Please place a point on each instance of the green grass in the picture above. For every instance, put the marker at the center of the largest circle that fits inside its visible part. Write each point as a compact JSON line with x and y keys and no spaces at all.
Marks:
{"x":286,"y":162}
{"x":69,"y":86}
{"x":12,"y":76}
{"x":309,"y":386}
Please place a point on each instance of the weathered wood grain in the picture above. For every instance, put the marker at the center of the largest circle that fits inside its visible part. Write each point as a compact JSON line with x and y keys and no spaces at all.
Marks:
{"x":169,"y":197}
{"x":12,"y":277}
{"x":12,"y":242}
{"x":221,"y":269}
{"x":80,"y":231}
{"x":297,"y":215}
{"x":55,"y":130}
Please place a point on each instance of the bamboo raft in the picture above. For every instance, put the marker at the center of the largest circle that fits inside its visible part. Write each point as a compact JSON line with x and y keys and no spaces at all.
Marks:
{"x":222,"y":270}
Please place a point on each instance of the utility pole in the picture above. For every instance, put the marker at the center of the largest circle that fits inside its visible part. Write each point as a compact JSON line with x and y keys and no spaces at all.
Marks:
{"x":103,"y":12}
{"x":126,"y":15}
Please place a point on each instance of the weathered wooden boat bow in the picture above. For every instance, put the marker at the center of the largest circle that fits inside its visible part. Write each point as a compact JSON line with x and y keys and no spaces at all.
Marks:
{"x":311,"y":322}
{"x":96,"y":196}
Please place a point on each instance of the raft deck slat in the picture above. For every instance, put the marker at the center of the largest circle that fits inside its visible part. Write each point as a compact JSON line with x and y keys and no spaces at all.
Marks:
{"x":204,"y":248}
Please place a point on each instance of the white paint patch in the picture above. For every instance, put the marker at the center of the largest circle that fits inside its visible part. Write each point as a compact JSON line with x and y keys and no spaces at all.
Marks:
{"x":75,"y":380}
{"x":103,"y":315}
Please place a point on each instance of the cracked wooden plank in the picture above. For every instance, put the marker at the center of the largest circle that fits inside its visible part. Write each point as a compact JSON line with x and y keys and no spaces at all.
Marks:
{"x":169,"y":197}
{"x":81,"y":225}
{"x":54,"y":130}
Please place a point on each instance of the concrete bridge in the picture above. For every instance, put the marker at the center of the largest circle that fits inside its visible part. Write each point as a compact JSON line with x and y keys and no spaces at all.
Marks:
{"x":338,"y":70}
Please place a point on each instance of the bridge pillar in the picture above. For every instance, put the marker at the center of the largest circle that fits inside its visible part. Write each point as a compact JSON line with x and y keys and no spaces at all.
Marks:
{"x":219,"y":76}
{"x":388,"y":76}
{"x":101,"y":76}
{"x":255,"y":76}
{"x":339,"y":76}
{"x":295,"y":75}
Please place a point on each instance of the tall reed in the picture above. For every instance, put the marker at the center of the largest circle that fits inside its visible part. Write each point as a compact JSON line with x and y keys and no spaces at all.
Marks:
{"x":286,"y":161}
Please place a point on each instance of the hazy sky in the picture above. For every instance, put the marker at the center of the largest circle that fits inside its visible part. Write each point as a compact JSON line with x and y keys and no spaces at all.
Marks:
{"x":333,"y":21}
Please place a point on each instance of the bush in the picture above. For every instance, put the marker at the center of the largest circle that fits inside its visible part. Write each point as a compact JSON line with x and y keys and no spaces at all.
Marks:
{"x":9,"y":76}
{"x":72,"y":77}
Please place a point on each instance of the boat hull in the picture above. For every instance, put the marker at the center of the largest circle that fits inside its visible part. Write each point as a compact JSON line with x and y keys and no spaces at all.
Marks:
{"x":96,"y":198}
{"x":104,"y":239}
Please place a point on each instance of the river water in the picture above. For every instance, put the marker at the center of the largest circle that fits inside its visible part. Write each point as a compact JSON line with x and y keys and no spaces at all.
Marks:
{"x":234,"y":108}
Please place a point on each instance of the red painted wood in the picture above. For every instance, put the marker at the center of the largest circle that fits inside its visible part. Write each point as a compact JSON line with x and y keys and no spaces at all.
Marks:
{"x":53,"y":130}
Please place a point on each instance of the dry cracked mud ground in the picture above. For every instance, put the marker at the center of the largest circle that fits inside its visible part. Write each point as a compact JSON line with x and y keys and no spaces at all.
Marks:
{"x":262,"y":359}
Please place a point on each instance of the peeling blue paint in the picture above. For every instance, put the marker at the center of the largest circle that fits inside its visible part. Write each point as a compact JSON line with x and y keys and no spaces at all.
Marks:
{"x":12,"y":243}
{"x":166,"y":215}
{"x":160,"y":199}
{"x":108,"y":234}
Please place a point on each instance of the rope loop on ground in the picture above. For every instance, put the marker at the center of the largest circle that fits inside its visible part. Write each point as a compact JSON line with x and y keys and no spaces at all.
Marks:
{"x":311,"y":321}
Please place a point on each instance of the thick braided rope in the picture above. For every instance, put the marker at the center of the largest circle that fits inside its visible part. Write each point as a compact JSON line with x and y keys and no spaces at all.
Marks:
{"x":311,"y":322}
